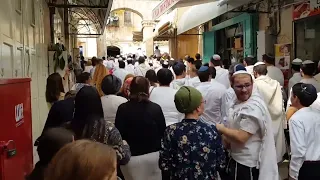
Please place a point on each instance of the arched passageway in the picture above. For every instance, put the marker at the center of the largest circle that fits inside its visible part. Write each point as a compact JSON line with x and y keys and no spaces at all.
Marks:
{"x":113,"y":51}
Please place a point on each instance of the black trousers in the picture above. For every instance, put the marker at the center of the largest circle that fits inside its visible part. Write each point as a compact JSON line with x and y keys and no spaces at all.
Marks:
{"x":237,"y":171}
{"x":310,"y":170}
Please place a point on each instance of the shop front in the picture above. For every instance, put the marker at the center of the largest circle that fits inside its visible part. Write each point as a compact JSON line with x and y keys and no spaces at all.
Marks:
{"x":232,"y":39}
{"x":306,"y":18}
{"x":165,"y":33}
{"x":201,"y":14}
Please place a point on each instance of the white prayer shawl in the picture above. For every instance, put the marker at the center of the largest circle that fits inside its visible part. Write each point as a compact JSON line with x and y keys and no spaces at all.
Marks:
{"x":130,"y":68}
{"x":141,"y":70}
{"x":194,"y":82}
{"x":270,"y":90}
{"x":250,"y":70}
{"x":222,"y":76}
{"x":255,"y":108}
{"x":178,"y":83}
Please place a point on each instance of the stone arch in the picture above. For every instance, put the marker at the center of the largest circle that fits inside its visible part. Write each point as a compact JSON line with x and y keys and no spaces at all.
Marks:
{"x":115,"y":45}
{"x":129,"y":9}
{"x":143,"y":8}
{"x":113,"y":51}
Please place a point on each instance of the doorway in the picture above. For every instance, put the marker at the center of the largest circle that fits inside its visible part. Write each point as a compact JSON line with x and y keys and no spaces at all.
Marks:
{"x":113,"y":51}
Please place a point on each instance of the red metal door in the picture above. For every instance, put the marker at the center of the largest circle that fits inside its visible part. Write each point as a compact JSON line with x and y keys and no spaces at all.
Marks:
{"x":15,"y":129}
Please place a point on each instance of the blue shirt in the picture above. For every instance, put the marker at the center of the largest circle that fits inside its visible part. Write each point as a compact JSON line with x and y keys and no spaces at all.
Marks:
{"x":191,"y":150}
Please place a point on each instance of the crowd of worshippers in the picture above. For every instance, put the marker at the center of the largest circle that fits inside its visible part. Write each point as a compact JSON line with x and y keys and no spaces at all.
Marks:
{"x":184,"y":119}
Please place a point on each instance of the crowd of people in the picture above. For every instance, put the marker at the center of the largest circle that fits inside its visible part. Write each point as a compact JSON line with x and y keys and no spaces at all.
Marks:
{"x":144,"y":118}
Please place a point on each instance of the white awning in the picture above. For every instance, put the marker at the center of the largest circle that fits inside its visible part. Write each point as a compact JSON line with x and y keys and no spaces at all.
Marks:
{"x":166,"y":19}
{"x":202,"y":13}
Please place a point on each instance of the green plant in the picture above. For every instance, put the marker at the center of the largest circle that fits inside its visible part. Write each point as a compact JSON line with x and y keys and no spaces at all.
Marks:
{"x":58,"y":56}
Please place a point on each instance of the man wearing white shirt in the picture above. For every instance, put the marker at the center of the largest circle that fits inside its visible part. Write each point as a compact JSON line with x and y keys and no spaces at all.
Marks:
{"x":164,"y":96}
{"x":142,"y":68}
{"x":249,"y":135}
{"x":248,"y":62}
{"x":230,"y":96}
{"x":212,"y":93}
{"x":130,"y":67}
{"x":295,"y":71}
{"x":304,"y":134}
{"x":273,"y":71}
{"x":120,"y":72}
{"x":157,"y":52}
{"x":222,"y":74}
{"x":179,"y":70}
{"x":194,"y":80}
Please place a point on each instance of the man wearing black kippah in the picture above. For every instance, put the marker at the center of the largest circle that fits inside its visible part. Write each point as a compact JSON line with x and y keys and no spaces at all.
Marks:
{"x":304,"y":134}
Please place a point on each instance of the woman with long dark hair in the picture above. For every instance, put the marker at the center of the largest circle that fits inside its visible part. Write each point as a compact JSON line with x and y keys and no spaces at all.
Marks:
{"x":142,"y":124}
{"x":89,"y":123}
{"x":54,"y":89}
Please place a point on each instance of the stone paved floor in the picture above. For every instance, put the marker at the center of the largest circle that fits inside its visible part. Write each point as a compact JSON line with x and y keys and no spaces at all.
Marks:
{"x":283,"y":170}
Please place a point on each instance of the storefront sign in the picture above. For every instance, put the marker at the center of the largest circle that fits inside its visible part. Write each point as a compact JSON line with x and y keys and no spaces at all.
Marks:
{"x":314,"y":4}
{"x":306,"y":9}
{"x":283,"y":59}
{"x":163,"y":7}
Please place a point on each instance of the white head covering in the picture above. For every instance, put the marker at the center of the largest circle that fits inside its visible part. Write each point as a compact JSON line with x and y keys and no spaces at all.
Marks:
{"x":307,"y":62}
{"x":297,"y":61}
{"x":259,"y":63}
{"x":165,"y":62}
{"x":250,"y":56}
{"x":216,"y":57}
{"x":241,"y":72}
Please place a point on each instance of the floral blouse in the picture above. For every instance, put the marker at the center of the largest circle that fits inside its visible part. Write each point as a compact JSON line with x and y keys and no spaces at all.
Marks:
{"x":191,"y":150}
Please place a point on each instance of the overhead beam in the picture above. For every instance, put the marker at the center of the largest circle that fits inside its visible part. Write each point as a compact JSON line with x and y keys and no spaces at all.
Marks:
{"x":76,"y":6}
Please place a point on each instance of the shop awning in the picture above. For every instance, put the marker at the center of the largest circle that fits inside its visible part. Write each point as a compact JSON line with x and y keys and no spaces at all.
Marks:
{"x":166,"y":23}
{"x":202,"y":13}
{"x":168,"y":5}
{"x":91,"y":15}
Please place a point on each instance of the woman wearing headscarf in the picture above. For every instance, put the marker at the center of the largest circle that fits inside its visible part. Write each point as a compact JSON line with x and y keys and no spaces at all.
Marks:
{"x":99,"y":73}
{"x":110,"y":101}
{"x":51,"y":141}
{"x":89,"y":123}
{"x":304,"y":134}
{"x":54,"y":89}
{"x":191,"y":149}
{"x":142,"y":124}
